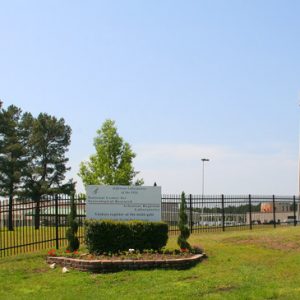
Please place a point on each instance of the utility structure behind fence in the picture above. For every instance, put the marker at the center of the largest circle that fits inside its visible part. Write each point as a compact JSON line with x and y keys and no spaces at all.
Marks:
{"x":205,"y":213}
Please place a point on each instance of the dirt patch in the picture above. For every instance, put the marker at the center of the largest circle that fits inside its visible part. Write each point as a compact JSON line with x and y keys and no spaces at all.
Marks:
{"x":190,"y":278}
{"x":267,"y":242}
{"x":40,"y":270}
{"x":225,"y":288}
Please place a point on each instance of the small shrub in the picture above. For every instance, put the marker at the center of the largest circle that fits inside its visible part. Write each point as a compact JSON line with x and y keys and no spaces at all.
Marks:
{"x":114,"y":236}
{"x":183,"y":225}
{"x":71,"y":234}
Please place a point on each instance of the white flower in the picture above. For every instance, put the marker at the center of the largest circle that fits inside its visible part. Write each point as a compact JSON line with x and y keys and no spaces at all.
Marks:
{"x":65,"y":270}
{"x":131,"y":250}
{"x":52,"y":266}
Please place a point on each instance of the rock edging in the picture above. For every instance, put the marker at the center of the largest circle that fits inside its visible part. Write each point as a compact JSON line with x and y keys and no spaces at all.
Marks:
{"x":103,"y":266}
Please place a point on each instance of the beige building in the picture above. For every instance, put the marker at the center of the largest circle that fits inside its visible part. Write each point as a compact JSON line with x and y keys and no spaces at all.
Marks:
{"x":279,"y":207}
{"x":283,"y":213}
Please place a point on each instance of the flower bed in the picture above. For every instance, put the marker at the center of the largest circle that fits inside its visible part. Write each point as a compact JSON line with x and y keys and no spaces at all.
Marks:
{"x":113,"y":264}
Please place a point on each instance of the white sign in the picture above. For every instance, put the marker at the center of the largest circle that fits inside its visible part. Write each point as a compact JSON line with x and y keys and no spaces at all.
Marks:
{"x":123,"y":202}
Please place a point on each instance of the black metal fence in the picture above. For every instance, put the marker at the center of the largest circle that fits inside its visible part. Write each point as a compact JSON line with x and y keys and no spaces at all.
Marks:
{"x":50,"y":231}
{"x":205,"y":213}
{"x":223,"y":212}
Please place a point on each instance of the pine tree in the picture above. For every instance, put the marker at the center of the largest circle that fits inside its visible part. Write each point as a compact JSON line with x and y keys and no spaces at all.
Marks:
{"x":48,"y":142}
{"x":183,"y":225}
{"x":12,"y":155}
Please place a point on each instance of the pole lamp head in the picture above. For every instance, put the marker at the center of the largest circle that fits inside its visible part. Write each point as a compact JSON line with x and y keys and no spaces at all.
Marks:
{"x":204,"y":159}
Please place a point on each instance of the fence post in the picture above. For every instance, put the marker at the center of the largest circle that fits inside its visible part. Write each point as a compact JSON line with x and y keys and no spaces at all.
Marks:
{"x":56,"y":222}
{"x":294,"y":209}
{"x":223,"y":213}
{"x":10,"y":212}
{"x":274,"y":215}
{"x":191,"y":214}
{"x":250,"y":212}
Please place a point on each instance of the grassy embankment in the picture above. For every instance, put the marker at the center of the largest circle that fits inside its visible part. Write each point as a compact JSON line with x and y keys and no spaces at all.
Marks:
{"x":260,"y":264}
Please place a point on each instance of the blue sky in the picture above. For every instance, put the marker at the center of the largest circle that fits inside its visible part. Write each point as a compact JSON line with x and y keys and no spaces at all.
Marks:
{"x":182,"y":80}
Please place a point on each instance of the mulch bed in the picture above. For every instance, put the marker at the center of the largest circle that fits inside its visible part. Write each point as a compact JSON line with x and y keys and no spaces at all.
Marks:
{"x":138,"y":256}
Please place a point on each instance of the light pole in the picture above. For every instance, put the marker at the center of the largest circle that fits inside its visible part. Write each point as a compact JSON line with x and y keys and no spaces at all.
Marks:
{"x":203,"y":161}
{"x":298,"y":208}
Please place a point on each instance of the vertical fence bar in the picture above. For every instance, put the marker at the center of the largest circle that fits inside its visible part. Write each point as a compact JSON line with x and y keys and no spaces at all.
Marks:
{"x":2,"y":244}
{"x":223,"y":213}
{"x":10,"y":213}
{"x":32,"y":228}
{"x":56,"y":222}
{"x":161,"y":207}
{"x":177,"y":200}
{"x":274,"y":214}
{"x":191,"y":214}
{"x":2,"y":239}
{"x":294,"y":210}
{"x":15,"y":230}
{"x":250,"y":213}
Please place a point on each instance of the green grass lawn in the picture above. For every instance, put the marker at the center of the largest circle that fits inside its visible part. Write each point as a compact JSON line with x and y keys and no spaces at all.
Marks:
{"x":263,"y":264}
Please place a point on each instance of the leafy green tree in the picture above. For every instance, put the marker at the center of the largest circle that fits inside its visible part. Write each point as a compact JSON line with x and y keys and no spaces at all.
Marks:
{"x":48,"y":142}
{"x":183,"y":225}
{"x":112,"y":163}
{"x":12,"y":155}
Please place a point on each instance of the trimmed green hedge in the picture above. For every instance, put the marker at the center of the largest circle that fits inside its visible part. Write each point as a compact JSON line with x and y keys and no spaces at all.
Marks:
{"x":113,"y":236}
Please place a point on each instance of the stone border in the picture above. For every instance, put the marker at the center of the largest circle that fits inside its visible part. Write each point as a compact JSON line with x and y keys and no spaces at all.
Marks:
{"x":103,"y":266}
